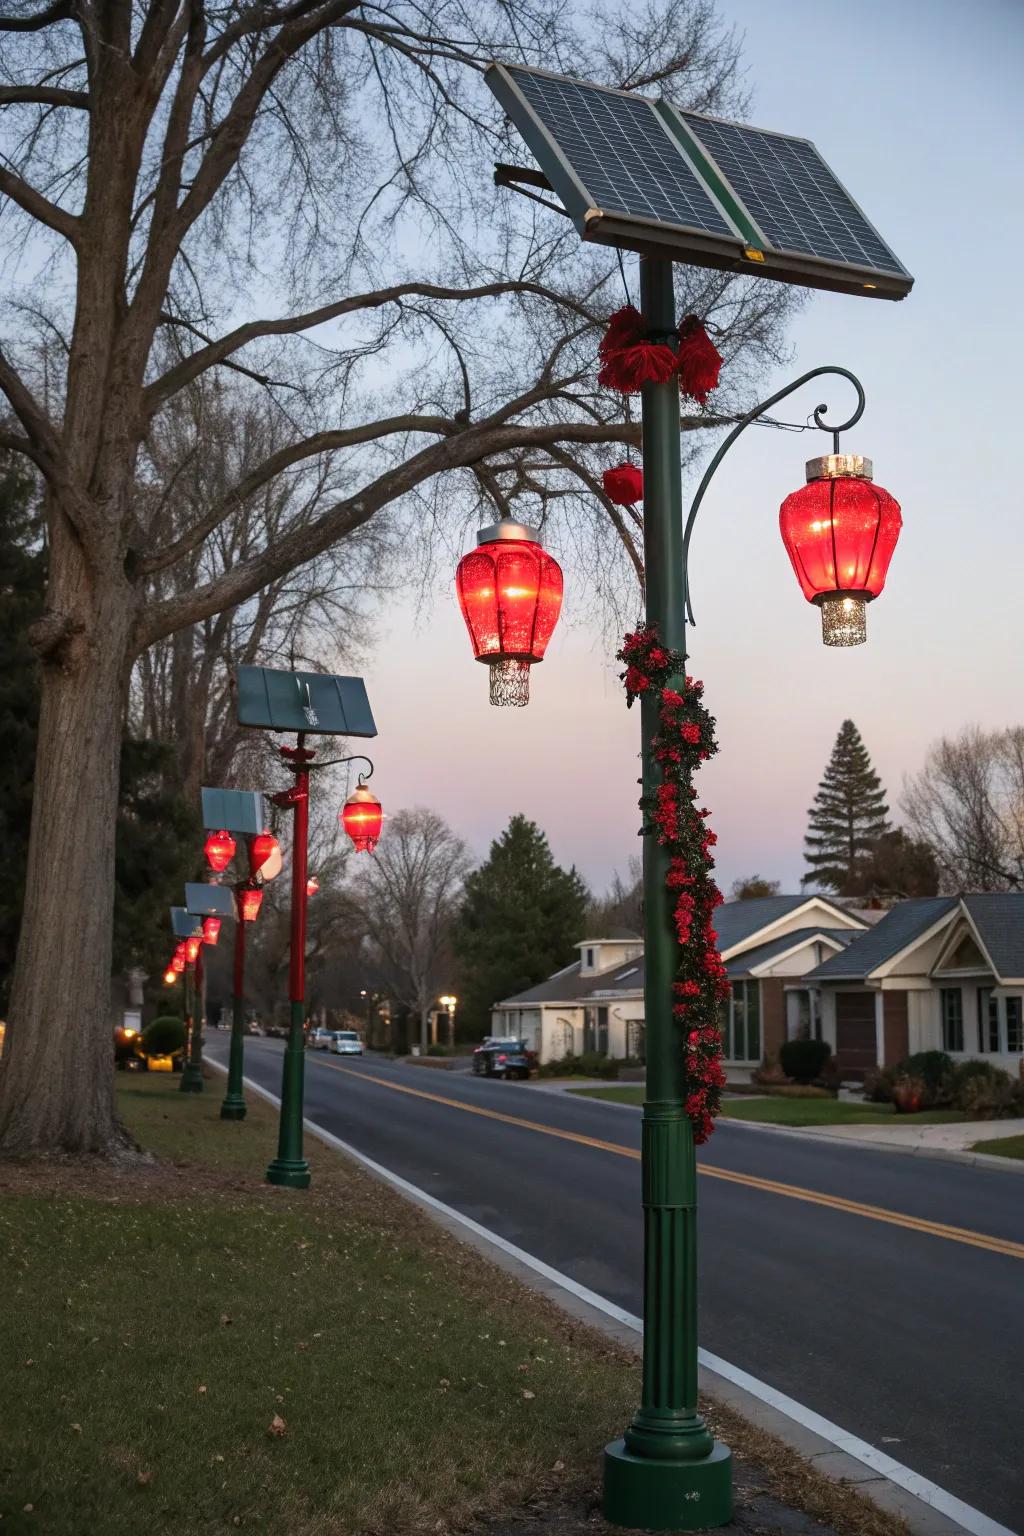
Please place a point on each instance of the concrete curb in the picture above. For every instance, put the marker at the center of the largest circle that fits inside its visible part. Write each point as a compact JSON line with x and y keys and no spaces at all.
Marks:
{"x":940,"y":1154}
{"x":718,"y":1380}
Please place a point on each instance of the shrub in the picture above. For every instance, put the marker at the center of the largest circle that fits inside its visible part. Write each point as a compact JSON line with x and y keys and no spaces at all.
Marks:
{"x":586,"y":1064}
{"x":986,"y":1092}
{"x":164,"y":1036}
{"x":438,"y":1050}
{"x":803,"y":1060}
{"x":879,"y":1085}
{"x":935,"y":1069}
{"x":910,"y":1094}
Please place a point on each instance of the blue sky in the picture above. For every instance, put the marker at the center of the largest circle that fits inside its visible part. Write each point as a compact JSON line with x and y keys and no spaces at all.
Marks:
{"x":917,"y":106}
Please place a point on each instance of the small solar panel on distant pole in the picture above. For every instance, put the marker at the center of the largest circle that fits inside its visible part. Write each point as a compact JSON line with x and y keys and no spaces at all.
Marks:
{"x":672,"y":185}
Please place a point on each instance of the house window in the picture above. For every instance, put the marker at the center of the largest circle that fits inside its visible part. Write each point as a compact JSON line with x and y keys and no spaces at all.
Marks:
{"x":590,"y":959}
{"x":1014,"y":1024}
{"x":741,"y":1022}
{"x":952,"y":1019}
{"x":988,"y":1020}
{"x":595,"y":1030}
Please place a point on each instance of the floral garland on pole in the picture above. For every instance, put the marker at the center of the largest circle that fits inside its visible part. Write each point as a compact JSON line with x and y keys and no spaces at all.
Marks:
{"x":685,"y":738}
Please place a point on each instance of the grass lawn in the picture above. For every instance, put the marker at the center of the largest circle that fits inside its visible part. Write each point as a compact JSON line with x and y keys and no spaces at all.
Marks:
{"x":156,"y":1322}
{"x":793,"y":1112}
{"x":1002,"y":1146}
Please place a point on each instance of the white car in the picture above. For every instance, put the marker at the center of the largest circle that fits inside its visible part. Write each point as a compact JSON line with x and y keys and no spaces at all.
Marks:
{"x":345,"y":1042}
{"x":320,"y":1039}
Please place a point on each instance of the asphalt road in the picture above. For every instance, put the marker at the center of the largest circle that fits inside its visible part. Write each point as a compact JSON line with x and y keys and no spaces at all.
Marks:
{"x":909,"y":1339}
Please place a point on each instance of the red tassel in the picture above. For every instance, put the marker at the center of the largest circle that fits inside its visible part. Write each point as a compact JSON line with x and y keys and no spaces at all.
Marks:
{"x":625,"y":329}
{"x":624,"y":484}
{"x":699,"y":361}
{"x":649,"y":362}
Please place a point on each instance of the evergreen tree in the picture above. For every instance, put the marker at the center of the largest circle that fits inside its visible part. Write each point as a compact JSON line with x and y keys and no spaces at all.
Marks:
{"x":848,"y":816}
{"x":22,"y":590}
{"x":519,"y":918}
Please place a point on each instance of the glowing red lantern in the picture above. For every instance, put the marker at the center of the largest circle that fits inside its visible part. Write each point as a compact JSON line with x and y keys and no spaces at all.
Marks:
{"x":510,"y":593}
{"x":219,"y":850}
{"x":250,"y":899}
{"x":312,"y":886}
{"x":170,"y":975}
{"x":211,"y":930}
{"x":178,"y":964}
{"x":840,"y":530}
{"x":262,"y":847}
{"x":192,"y":947}
{"x":361,"y":816}
{"x":624,"y":484}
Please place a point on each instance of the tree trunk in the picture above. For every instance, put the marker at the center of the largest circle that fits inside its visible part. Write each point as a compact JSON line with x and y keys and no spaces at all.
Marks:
{"x":57,"y":1070}
{"x":424,"y":1029}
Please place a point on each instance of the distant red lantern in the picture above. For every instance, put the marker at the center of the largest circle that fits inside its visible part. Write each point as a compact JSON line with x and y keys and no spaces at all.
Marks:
{"x":178,"y":964}
{"x":361,"y":816}
{"x":211,"y":930}
{"x":624,"y":484}
{"x":250,"y":899}
{"x":312,"y":886}
{"x":192,"y":947}
{"x":219,"y":850}
{"x":510,"y":593}
{"x":262,"y":847}
{"x":170,"y":975}
{"x":840,"y":530}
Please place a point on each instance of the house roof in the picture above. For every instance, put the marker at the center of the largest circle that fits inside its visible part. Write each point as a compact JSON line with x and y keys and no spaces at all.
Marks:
{"x":740,"y":964}
{"x":900,"y":926}
{"x":569,"y":986}
{"x":998,"y":918}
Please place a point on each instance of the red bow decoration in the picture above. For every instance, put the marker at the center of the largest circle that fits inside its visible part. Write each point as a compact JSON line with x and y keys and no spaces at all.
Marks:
{"x":624,"y":484}
{"x":629,"y":360}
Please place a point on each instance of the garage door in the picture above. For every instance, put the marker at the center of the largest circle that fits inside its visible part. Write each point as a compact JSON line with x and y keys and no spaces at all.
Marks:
{"x":855,"y":1033}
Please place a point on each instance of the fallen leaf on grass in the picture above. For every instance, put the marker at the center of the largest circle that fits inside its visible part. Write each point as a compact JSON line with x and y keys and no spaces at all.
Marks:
{"x":277,"y":1426}
{"x":225,"y":1320}
{"x":144,"y":1478}
{"x":201,"y":1391}
{"x":77,"y":1428}
{"x":558,"y":1466}
{"x":529,"y":1396}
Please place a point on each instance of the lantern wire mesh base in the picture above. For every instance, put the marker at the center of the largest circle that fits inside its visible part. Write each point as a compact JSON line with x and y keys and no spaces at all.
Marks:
{"x":844,"y":621}
{"x":510,"y":682}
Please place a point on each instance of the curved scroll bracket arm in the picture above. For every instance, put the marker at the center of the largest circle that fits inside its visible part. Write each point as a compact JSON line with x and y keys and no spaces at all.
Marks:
{"x":741,"y":426}
{"x":359,"y":757}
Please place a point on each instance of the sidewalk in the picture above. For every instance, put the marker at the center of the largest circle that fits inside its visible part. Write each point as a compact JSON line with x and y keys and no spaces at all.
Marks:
{"x":948,"y":1138}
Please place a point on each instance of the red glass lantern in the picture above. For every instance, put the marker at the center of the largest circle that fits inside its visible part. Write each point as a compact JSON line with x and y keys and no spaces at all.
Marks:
{"x":312,"y":886}
{"x":840,"y":530}
{"x":211,"y":930}
{"x":178,"y":964}
{"x":220,"y":850}
{"x":510,"y":593}
{"x":361,"y":816}
{"x":250,"y":899}
{"x":170,"y":975}
{"x":260,"y":850}
{"x":192,"y":948}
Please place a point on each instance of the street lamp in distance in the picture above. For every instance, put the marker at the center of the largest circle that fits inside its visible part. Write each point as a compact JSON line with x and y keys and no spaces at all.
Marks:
{"x":449,"y":1001}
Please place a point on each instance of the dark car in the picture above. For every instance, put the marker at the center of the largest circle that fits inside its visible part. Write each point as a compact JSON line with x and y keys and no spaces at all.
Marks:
{"x":504,"y":1058}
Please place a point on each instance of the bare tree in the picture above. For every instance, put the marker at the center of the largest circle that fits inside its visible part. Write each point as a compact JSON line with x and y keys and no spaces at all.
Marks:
{"x":406,"y":897}
{"x":753,"y":886}
{"x":298,"y":193}
{"x":967,"y":804}
{"x":620,"y":907}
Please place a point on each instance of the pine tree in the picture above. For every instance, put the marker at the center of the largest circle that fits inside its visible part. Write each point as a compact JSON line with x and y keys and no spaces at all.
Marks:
{"x":848,"y":816}
{"x":519,"y":918}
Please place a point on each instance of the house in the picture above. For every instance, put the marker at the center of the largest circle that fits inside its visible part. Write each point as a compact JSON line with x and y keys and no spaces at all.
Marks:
{"x":597,"y":1003}
{"x":936,"y":973}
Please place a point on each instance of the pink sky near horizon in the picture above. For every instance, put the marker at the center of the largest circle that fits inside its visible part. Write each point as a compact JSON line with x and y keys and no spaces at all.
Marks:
{"x":918,"y":112}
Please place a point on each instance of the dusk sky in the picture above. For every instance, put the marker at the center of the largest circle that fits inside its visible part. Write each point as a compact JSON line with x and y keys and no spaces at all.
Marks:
{"x":918,"y":109}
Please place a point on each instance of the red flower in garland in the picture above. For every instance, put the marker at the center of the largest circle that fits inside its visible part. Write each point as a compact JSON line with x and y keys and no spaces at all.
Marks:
{"x":628,"y":359}
{"x":684,"y":739}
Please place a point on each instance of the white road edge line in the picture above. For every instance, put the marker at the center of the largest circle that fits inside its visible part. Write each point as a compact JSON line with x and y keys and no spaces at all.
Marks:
{"x":965,"y":1515}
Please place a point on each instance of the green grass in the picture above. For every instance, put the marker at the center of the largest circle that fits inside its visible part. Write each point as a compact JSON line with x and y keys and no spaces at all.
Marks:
{"x":793,"y":1112}
{"x":1002,"y":1146}
{"x":155,"y":1320}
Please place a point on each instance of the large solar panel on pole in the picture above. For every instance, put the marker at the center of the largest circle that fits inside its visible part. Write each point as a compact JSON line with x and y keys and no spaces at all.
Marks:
{"x":643,"y":175}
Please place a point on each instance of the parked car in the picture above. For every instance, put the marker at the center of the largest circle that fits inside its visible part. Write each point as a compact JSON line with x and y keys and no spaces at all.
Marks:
{"x":252,"y":1028}
{"x":345,"y":1042}
{"x":320,"y":1039}
{"x":504,"y":1058}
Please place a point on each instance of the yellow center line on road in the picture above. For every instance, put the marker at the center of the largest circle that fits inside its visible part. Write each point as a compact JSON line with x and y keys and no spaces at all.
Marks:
{"x":1002,"y":1245}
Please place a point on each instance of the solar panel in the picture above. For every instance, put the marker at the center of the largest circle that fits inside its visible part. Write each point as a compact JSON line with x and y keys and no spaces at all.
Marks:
{"x":642,"y":175}
{"x":303,"y":701}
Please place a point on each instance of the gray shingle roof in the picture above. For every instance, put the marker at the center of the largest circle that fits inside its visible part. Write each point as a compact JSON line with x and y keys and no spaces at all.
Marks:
{"x":898,"y":928}
{"x":740,"y":964}
{"x":569,"y":986}
{"x":999,"y":919}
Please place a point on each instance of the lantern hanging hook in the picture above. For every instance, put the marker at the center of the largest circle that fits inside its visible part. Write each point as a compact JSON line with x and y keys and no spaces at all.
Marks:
{"x":357,"y":757}
{"x":741,"y":426}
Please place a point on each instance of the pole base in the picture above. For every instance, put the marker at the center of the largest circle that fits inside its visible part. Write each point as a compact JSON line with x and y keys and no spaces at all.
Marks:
{"x":233,"y":1109}
{"x":191,"y":1079}
{"x":292,"y":1174}
{"x":647,"y":1495}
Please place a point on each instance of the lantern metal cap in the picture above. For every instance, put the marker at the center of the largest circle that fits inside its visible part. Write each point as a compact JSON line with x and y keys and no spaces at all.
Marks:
{"x":508,"y":529}
{"x":840,"y":466}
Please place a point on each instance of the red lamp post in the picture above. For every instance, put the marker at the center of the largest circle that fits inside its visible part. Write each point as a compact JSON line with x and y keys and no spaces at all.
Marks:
{"x":220,"y":850}
{"x":840,"y":531}
{"x":361,"y":816}
{"x":510,"y":593}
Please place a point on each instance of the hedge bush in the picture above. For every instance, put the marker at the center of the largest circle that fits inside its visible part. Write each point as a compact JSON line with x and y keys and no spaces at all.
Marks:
{"x":164,"y":1036}
{"x":803,"y":1060}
